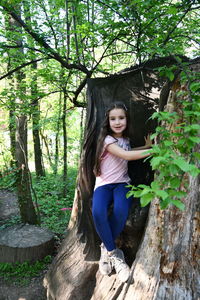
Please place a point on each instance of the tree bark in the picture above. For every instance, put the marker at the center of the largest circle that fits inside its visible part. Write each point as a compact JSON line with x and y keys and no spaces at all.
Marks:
{"x":27,"y":210}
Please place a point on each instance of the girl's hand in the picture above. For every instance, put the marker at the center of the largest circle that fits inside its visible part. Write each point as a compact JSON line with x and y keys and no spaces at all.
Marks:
{"x":148,"y":141}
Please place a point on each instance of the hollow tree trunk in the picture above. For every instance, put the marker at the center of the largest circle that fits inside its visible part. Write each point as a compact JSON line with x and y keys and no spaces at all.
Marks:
{"x":164,"y":261}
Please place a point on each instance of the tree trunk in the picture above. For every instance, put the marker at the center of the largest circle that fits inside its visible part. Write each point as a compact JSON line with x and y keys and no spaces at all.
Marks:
{"x":162,"y":253}
{"x":57,"y":135}
{"x":12,"y":121}
{"x":27,"y":210}
{"x":64,"y":125}
{"x":39,"y":168}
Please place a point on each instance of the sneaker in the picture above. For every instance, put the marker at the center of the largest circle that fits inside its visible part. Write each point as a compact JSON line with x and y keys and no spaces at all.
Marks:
{"x":105,"y":265}
{"x":118,"y":262}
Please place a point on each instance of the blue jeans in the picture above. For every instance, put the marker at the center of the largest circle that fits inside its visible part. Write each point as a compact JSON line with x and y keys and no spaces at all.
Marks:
{"x":109,"y":226}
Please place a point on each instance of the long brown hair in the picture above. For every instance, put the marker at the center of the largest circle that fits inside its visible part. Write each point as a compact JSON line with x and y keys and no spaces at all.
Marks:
{"x":105,"y":130}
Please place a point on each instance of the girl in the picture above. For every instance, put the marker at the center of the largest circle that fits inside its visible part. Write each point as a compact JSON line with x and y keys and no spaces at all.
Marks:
{"x":111,"y":171}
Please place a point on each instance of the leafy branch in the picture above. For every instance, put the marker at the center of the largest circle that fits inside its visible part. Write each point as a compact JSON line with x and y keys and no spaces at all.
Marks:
{"x":37,"y":37}
{"x":175,"y":158}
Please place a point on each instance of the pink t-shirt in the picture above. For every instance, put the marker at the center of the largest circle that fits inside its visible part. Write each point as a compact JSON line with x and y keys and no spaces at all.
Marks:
{"x":113,"y":169}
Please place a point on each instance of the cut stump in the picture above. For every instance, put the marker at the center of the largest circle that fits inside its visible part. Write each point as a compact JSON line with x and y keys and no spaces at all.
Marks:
{"x":25,"y":242}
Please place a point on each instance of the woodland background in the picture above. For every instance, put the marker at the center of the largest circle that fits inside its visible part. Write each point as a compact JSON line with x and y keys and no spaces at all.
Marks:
{"x":48,"y":51}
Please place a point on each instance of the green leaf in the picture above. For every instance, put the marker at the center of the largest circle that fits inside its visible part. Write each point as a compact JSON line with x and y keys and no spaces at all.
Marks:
{"x":146,"y":199}
{"x":173,"y":169}
{"x":155,"y":115}
{"x":177,"y":194}
{"x":194,"y":139}
{"x":194,"y":86}
{"x":174,"y":182}
{"x":154,"y":185}
{"x":155,"y":161}
{"x":144,"y":186}
{"x":183,"y":165}
{"x":137,"y":194}
{"x":194,"y":171}
{"x":170,"y":75}
{"x":178,"y":204}
{"x":164,"y":204}
{"x":168,"y":143}
{"x":129,"y":194}
{"x":197,"y":155}
{"x":162,"y":194}
{"x":192,"y":127}
{"x":172,"y":10}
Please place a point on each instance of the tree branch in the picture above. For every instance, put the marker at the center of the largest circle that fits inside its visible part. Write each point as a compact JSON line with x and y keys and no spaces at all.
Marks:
{"x":44,"y":44}
{"x":111,"y":8}
{"x":21,"y":67}
{"x":50,"y":24}
{"x":24,"y":46}
{"x":174,"y":28}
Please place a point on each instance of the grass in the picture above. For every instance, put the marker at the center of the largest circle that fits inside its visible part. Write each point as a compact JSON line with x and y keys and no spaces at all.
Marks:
{"x":22,"y":273}
{"x":55,"y":210}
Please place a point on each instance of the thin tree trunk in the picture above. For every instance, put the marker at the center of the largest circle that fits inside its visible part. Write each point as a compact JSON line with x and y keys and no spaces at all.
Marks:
{"x":81,"y":130}
{"x":44,"y":138}
{"x":12,"y":129}
{"x":27,"y":210}
{"x":39,"y":167}
{"x":12,"y":121}
{"x":64,"y":143}
{"x":57,"y":136}
{"x":68,"y":25}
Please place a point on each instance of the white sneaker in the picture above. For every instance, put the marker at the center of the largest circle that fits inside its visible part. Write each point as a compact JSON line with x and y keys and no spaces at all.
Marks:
{"x":105,"y":265}
{"x":118,"y":262}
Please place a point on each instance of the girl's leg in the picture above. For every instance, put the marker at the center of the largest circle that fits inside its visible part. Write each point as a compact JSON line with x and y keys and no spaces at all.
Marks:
{"x":102,"y":199}
{"x":120,"y":211}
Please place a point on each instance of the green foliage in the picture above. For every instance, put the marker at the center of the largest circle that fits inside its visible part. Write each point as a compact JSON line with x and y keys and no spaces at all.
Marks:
{"x":10,"y":222}
{"x":174,"y":158}
{"x":54,"y":209}
{"x":21,"y":273}
{"x":8,"y":180}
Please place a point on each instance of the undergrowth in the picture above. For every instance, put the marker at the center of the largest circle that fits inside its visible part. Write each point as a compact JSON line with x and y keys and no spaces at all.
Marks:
{"x":22,"y":273}
{"x":54,"y":209}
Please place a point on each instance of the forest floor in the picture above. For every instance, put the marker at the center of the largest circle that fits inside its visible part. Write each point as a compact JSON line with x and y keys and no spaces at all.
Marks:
{"x":33,"y":290}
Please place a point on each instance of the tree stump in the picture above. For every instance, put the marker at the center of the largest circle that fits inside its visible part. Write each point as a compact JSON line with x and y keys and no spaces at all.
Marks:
{"x":25,"y":242}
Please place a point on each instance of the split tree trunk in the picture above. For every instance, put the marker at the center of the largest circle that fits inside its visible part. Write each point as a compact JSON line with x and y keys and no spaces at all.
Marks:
{"x":164,"y":266}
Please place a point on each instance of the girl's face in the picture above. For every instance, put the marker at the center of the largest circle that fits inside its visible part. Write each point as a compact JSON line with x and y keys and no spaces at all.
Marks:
{"x":117,"y":121}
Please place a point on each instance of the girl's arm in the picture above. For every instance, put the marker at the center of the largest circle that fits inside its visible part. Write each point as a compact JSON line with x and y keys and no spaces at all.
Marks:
{"x":127,"y":155}
{"x":148,"y":144}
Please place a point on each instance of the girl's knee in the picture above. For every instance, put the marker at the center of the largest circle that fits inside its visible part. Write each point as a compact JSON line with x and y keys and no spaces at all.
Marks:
{"x":98,"y":215}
